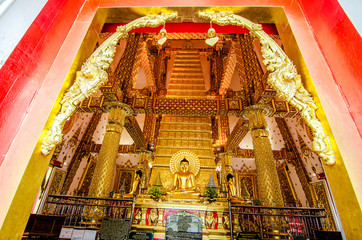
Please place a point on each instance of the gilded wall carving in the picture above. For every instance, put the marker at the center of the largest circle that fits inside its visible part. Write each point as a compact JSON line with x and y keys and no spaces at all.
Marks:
{"x":287,"y":187}
{"x":249,"y":69}
{"x":57,"y":181}
{"x":85,"y":181}
{"x":249,"y":181}
{"x":149,"y":128}
{"x":322,"y":199}
{"x":80,"y":152}
{"x":224,"y":129}
{"x":297,"y":161}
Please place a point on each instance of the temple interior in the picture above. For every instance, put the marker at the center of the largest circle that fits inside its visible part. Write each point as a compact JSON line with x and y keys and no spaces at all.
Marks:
{"x":200,"y":96}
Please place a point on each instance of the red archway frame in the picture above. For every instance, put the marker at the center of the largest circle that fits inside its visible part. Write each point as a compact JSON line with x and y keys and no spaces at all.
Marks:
{"x":38,"y":65}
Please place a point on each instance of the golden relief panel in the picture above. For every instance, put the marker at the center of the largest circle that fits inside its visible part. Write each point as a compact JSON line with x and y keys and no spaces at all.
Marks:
{"x":287,"y":187}
{"x":123,"y":176}
{"x":57,"y":181}
{"x":321,"y":198}
{"x":249,"y":181}
{"x":83,"y":186}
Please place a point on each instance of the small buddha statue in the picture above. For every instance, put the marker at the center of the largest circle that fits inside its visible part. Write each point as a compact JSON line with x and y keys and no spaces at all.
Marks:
{"x":153,"y":217}
{"x":232,"y":190}
{"x":135,"y":186}
{"x":210,"y":220}
{"x":184,"y":181}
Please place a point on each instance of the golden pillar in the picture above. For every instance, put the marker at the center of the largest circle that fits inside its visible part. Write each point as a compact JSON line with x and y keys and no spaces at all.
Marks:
{"x":143,"y":166}
{"x":226,"y":168}
{"x":267,"y":176}
{"x":103,"y":172}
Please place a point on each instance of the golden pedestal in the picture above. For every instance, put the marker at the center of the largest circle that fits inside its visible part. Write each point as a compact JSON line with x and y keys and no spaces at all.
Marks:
{"x":148,"y":219}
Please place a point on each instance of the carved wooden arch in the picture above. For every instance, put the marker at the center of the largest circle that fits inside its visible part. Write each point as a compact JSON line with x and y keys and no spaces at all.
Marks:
{"x":283,"y":78}
{"x":93,"y":76}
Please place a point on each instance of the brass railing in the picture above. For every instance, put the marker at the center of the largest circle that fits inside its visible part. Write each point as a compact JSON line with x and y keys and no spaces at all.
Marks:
{"x":265,"y":221}
{"x":277,"y":222}
{"x":81,"y":211}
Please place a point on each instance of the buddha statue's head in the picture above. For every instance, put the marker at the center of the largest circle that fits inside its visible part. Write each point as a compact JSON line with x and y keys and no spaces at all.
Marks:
{"x":229,"y":177}
{"x":139,"y":174}
{"x":184,"y":165}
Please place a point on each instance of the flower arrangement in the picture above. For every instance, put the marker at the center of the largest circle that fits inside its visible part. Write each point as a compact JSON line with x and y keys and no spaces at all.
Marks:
{"x":155,"y":193}
{"x":256,"y":202}
{"x":211,"y":194}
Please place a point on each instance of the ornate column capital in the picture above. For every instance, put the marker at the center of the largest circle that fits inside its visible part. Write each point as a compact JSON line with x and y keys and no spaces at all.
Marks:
{"x":117,"y":115}
{"x":257,"y":123}
{"x":118,"y":105}
{"x":258,"y":108}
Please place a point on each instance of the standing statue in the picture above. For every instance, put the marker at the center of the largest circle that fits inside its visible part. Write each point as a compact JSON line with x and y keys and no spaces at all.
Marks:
{"x":231,"y":189}
{"x":135,"y":186}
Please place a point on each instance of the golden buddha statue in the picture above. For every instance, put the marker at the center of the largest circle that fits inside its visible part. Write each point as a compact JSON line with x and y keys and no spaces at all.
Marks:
{"x":135,"y":185}
{"x":184,"y":181}
{"x":232,"y":190}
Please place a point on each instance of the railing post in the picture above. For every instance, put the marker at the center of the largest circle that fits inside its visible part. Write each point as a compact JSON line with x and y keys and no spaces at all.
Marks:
{"x":231,"y":221}
{"x":131,"y":217}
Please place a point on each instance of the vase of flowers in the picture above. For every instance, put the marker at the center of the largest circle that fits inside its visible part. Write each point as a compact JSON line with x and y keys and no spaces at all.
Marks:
{"x":155,"y":193}
{"x":211,"y":195}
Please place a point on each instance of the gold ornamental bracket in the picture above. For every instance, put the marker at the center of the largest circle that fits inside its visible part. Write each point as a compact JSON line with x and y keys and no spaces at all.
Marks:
{"x":283,"y":78}
{"x":93,"y":76}
{"x":194,"y":162}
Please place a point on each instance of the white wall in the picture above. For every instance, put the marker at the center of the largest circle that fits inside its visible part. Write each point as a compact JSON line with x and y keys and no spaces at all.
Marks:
{"x":353,"y":10}
{"x":15,"y":18}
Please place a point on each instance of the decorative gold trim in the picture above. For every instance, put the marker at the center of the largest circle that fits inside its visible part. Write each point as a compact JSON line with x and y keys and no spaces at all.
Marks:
{"x":93,"y":76}
{"x":169,"y":155}
{"x":92,"y":162}
{"x":185,"y":130}
{"x":186,"y":139}
{"x":57,"y":180}
{"x":283,"y":78}
{"x":186,"y":147}
{"x":322,"y":198}
{"x":187,"y":123}
{"x":289,"y":181}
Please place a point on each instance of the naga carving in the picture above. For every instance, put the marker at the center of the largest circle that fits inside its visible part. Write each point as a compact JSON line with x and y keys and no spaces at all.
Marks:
{"x":283,"y":78}
{"x":93,"y":76}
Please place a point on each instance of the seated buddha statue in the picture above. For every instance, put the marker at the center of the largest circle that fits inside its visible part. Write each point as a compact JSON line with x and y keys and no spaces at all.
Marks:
{"x":184,"y":181}
{"x":231,"y":189}
{"x":135,"y":185}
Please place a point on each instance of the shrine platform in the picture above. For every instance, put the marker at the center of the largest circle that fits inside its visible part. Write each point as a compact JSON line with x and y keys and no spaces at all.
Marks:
{"x":215,"y":227}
